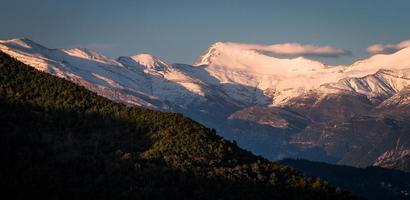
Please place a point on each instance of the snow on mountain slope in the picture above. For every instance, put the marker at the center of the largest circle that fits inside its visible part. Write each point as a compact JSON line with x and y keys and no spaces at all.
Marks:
{"x":142,"y":79}
{"x":379,"y":76}
{"x":26,"y":51}
{"x":377,"y":87}
{"x":278,"y":78}
{"x":243,"y":75}
{"x":164,"y":80}
{"x":89,"y":55}
{"x":145,"y":61}
{"x":90,"y":69}
{"x":395,"y":61}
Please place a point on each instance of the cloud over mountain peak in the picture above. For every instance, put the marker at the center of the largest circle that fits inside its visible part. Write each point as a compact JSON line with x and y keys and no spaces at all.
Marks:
{"x":295,"y":49}
{"x":388,"y":48}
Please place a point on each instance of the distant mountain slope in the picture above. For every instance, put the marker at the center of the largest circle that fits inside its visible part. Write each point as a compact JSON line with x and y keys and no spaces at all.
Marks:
{"x":61,"y":141}
{"x":373,"y":183}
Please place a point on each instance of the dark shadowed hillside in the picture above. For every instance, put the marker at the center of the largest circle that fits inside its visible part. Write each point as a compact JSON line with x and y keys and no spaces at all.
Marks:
{"x":371,"y":182}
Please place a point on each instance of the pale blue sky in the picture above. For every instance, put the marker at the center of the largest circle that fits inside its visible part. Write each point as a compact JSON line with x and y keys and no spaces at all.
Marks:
{"x":180,"y":30}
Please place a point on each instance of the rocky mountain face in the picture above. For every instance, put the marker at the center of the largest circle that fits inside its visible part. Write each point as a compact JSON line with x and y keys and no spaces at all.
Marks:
{"x":276,"y":107}
{"x":395,"y":160}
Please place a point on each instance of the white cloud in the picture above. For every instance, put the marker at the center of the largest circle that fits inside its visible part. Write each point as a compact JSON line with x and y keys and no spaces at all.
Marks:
{"x":388,"y":48}
{"x":296,"y":49}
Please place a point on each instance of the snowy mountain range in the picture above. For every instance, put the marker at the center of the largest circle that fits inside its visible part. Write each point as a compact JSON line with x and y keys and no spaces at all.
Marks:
{"x":277,"y":107}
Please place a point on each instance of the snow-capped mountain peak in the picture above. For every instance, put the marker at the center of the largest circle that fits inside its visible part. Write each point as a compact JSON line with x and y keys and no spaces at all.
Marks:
{"x":238,"y":70}
{"x":397,"y":60}
{"x":242,"y":56}
{"x":245,"y":66}
{"x":147,"y":61}
{"x":23,"y":44}
{"x":212,"y":51}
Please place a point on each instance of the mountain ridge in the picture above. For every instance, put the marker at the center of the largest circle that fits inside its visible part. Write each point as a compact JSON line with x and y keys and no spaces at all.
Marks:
{"x":236,"y":79}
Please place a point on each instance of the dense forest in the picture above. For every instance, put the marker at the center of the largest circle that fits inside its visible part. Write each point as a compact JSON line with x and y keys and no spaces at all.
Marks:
{"x":61,"y":141}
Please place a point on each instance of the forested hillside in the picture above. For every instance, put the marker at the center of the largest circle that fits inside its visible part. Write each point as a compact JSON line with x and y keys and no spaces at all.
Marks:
{"x":61,"y":141}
